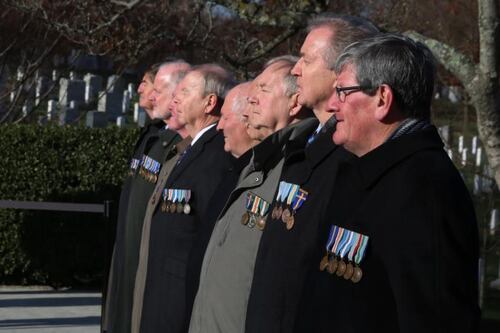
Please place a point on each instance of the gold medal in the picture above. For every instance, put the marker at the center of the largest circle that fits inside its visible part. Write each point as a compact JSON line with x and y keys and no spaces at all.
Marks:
{"x":290,"y":222}
{"x":286,"y":215}
{"x":261,"y":223}
{"x":341,"y":268}
{"x":154,"y":178}
{"x":163,"y":206}
{"x":187,"y":209}
{"x":274,"y":213}
{"x":180,"y":208}
{"x":323,"y":263}
{"x":349,"y":271}
{"x":244,"y":218}
{"x":173,"y":207}
{"x":332,"y":265}
{"x":357,"y":275}
{"x":279,"y":211}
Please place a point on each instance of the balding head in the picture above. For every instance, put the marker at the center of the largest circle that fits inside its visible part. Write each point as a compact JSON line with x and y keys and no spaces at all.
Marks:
{"x":232,"y":123}
{"x":168,"y":76}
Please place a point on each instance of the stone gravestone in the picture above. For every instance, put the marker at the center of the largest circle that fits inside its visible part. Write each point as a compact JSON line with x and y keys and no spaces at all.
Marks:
{"x":71,"y":90}
{"x":115,"y":84}
{"x":141,"y":119}
{"x":464,"y":156}
{"x":69,"y":114}
{"x":478,"y":157}
{"x":110,"y":104}
{"x":120,"y":121}
{"x":126,"y":101}
{"x":55,"y":75}
{"x":478,"y":184}
{"x":460,"y":143}
{"x":131,"y":89}
{"x":42,"y":87}
{"x":51,"y":109}
{"x":93,"y":84}
{"x":444,"y":132}
{"x":96,"y":119}
{"x":474,"y":145}
{"x":137,"y":109}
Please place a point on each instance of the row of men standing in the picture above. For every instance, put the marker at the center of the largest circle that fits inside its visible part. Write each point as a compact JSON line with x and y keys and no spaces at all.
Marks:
{"x":251,"y":208}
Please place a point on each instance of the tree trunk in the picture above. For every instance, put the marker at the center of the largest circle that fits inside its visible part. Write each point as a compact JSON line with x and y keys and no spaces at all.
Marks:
{"x":480,"y":81}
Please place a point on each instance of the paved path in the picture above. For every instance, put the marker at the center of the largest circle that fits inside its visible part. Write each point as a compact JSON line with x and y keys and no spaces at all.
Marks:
{"x":41,"y":310}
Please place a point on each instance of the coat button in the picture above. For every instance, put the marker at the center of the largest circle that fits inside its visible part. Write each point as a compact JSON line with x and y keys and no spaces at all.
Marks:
{"x":256,"y":179}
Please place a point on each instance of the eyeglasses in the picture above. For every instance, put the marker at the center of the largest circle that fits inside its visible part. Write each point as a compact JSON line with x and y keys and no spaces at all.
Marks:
{"x":342,"y":92}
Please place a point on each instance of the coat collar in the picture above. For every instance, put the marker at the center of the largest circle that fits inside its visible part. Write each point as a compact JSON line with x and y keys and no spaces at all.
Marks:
{"x":194,"y":151}
{"x":372,"y":166}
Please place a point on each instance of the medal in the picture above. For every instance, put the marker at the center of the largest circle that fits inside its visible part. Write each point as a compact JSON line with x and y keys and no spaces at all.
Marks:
{"x":341,"y":268}
{"x":180,"y":208}
{"x":332,"y":265}
{"x":173,"y":208}
{"x":279,"y":211}
{"x":274,"y":213}
{"x":261,"y":223}
{"x":357,"y":275}
{"x":286,"y":215}
{"x":244,"y":218}
{"x":349,"y":271}
{"x":323,"y":263}
{"x":163,"y":206}
{"x":290,"y":222}
{"x":187,"y":209}
{"x":251,"y":221}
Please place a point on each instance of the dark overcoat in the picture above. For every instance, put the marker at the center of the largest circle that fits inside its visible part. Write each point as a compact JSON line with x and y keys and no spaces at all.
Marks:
{"x":284,"y":257}
{"x":173,"y":234}
{"x":155,"y":143}
{"x":419,"y":272}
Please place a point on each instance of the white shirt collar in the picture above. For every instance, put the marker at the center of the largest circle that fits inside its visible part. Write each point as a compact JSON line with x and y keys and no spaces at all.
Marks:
{"x":200,"y":133}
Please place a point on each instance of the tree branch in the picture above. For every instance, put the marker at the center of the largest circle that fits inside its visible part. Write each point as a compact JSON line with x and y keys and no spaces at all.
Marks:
{"x":453,"y":60}
{"x":488,"y":23}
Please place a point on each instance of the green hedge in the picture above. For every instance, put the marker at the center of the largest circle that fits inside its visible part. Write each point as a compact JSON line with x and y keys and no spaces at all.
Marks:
{"x":63,"y":164}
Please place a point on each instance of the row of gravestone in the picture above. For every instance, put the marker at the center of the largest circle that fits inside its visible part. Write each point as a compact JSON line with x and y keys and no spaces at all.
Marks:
{"x":69,"y":98}
{"x":470,"y":156}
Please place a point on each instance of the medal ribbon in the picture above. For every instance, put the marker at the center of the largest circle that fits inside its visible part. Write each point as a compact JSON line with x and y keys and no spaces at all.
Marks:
{"x":361,"y":250}
{"x":249,"y":203}
{"x":264,"y":207}
{"x":255,"y":206}
{"x":286,"y":190}
{"x":165,"y":194}
{"x":170,"y":194}
{"x":331,"y":237}
{"x":337,"y":240}
{"x":188,"y":195}
{"x":293,"y":191}
{"x":280,"y":191}
{"x":181,"y":195}
{"x":347,"y":245}
{"x":299,"y":199}
{"x":355,"y":245}
{"x":134,"y":163}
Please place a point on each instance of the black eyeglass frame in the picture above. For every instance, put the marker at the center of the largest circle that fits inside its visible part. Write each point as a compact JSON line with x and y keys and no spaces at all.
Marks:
{"x":342,"y":92}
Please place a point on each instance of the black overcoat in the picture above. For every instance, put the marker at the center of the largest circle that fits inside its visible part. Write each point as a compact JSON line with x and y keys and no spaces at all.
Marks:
{"x":173,"y":235}
{"x":420,"y":267}
{"x":285,"y":257}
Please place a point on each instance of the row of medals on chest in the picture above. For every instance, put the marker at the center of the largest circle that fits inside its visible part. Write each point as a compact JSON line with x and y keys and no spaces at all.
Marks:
{"x":173,"y":207}
{"x":286,"y":215}
{"x":335,"y":265}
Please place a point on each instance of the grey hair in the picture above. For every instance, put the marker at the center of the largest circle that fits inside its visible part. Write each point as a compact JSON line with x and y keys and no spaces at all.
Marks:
{"x":407,"y":66}
{"x":178,"y":75}
{"x":345,"y":30}
{"x":218,"y":81}
{"x":240,"y":100}
{"x":289,"y":80}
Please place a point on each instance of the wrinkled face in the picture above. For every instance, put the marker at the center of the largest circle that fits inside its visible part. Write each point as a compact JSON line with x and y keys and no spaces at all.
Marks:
{"x":173,"y":121}
{"x":232,"y":123}
{"x":144,"y":90}
{"x":161,"y":96}
{"x":190,"y":100}
{"x":270,"y":107}
{"x":314,"y":78}
{"x":355,"y":116}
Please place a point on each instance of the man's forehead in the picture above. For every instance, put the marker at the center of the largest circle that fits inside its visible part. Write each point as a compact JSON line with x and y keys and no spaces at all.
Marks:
{"x":318,"y":39}
{"x":348,"y":73}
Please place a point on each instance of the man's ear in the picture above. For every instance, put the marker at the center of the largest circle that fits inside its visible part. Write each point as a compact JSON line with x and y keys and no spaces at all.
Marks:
{"x":385,"y":99}
{"x":293,"y":106}
{"x":211,"y":103}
